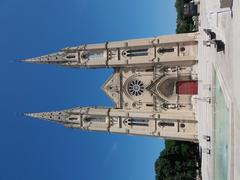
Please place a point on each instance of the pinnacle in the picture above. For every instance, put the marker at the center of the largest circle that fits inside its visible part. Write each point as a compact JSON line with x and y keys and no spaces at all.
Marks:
{"x":59,"y":117}
{"x":54,"y":58}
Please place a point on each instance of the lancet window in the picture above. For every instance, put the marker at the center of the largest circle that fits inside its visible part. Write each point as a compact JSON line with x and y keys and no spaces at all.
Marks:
{"x":95,"y":119}
{"x":92,"y":55}
{"x":135,"y":52}
{"x":163,"y":124}
{"x":165,"y":50}
{"x":137,"y":122}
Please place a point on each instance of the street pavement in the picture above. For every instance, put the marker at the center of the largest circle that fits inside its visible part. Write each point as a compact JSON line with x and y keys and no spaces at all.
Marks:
{"x":225,"y":22}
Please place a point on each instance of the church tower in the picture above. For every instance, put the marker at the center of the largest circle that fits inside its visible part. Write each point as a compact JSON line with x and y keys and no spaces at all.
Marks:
{"x":153,"y":86}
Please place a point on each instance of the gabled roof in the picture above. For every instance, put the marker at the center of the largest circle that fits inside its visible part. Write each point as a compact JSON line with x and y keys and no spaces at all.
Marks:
{"x":112,"y":87}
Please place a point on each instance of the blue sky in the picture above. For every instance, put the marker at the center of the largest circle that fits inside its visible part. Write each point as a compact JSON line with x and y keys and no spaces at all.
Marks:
{"x":34,"y":149}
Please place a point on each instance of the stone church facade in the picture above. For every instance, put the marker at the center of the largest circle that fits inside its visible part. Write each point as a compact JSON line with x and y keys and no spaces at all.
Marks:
{"x":154,"y":86}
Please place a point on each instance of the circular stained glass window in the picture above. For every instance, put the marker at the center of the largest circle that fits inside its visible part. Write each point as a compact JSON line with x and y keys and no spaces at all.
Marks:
{"x":136,"y":87}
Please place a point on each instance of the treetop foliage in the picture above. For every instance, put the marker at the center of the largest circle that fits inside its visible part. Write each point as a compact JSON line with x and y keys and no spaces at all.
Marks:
{"x":184,"y":24}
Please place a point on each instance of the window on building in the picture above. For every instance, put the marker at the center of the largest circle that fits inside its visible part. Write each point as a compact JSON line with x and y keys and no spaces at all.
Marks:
{"x":95,"y":119}
{"x":137,"y":122}
{"x":136,"y":87}
{"x":135,"y":52}
{"x":70,"y":56}
{"x":73,"y":118}
{"x":165,"y":50}
{"x":92,"y":55}
{"x":163,"y":124}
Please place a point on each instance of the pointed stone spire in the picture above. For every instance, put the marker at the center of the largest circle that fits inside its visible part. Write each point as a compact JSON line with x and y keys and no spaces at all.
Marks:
{"x":55,"y":58}
{"x":127,"y":53}
{"x":59,"y":117}
{"x":65,"y":117}
{"x":174,"y":125}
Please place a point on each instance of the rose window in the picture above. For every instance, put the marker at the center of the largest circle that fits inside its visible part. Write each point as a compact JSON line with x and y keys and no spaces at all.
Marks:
{"x":136,"y":87}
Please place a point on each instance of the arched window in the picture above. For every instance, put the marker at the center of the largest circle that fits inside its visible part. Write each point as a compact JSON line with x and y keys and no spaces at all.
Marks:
{"x":92,"y":55}
{"x":95,"y":119}
{"x":135,"y":52}
{"x":163,"y":124}
{"x":165,"y":50}
{"x":137,"y":122}
{"x":73,"y":118}
{"x":136,"y":87}
{"x":71,"y":57}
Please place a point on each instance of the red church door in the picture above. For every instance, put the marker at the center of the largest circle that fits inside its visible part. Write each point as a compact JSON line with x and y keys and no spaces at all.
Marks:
{"x":187,"y":87}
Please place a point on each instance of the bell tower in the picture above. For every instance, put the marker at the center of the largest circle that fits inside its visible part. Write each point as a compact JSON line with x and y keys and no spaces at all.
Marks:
{"x":153,"y":86}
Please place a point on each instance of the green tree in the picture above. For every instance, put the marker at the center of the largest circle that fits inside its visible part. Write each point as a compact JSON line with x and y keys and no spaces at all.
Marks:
{"x":184,"y":24}
{"x":178,"y":161}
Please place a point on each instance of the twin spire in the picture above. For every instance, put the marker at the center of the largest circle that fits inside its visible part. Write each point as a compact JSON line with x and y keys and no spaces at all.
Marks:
{"x":143,"y":86}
